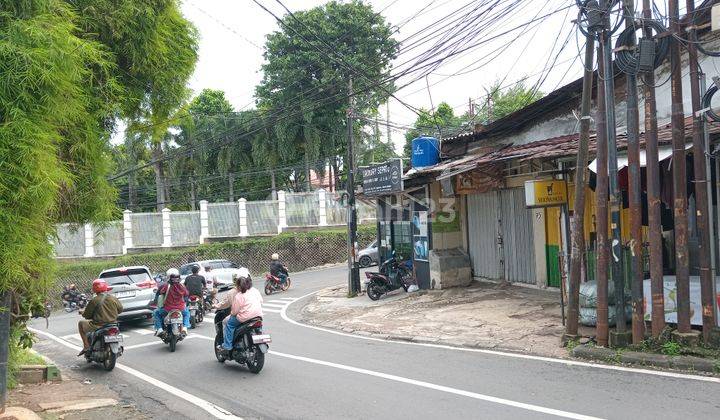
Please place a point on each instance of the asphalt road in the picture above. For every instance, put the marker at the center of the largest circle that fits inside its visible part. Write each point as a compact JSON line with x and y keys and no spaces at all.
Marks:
{"x":311,"y":373}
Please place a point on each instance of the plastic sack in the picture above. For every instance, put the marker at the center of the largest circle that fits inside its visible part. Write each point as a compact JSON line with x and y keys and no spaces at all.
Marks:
{"x":588,"y":316}
{"x":588,"y":294}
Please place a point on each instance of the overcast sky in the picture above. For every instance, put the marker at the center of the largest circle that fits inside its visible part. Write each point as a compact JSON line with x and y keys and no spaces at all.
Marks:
{"x":232,"y":34}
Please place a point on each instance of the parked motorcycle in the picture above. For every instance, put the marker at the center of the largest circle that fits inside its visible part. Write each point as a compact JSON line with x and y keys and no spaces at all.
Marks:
{"x":392,"y":276}
{"x":105,"y":346}
{"x":73,"y":300}
{"x":249,"y":344}
{"x":197,"y":311}
{"x":171,"y":329}
{"x":274,"y":284}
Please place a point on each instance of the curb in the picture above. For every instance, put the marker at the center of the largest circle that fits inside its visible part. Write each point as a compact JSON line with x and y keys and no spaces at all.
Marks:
{"x":689,"y":363}
{"x":37,"y":374}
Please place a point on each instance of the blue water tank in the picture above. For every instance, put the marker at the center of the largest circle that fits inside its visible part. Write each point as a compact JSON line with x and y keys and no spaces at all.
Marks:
{"x":425,"y":152}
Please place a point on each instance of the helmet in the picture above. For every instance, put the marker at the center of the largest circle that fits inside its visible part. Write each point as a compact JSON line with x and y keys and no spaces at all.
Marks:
{"x":275,"y":256}
{"x":243,"y":273}
{"x":99,"y":286}
{"x":173,"y":272}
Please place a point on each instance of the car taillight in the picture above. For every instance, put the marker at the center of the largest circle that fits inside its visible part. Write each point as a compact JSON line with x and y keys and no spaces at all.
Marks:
{"x":113,"y":331}
{"x":147,"y":284}
{"x":368,"y":275}
{"x":175,"y":315}
{"x":257,"y":324}
{"x":193,"y":298}
{"x":109,"y":288}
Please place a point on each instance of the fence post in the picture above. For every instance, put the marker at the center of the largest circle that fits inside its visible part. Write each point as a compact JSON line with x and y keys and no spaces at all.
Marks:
{"x":89,"y":241}
{"x":204,"y":226}
{"x":282,"y":220}
{"x":127,"y":231}
{"x":322,"y":210}
{"x":242,"y":209}
{"x":166,"y":229}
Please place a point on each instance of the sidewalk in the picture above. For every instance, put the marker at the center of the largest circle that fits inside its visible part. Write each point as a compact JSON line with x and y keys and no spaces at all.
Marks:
{"x":484,"y":315}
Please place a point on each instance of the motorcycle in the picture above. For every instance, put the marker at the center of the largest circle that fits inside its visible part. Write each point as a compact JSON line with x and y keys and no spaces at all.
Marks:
{"x":392,"y":276}
{"x":197,"y":312}
{"x":171,"y":329}
{"x":73,"y":300}
{"x":208,"y":301}
{"x":105,"y":346}
{"x":274,"y":284}
{"x":249,"y":344}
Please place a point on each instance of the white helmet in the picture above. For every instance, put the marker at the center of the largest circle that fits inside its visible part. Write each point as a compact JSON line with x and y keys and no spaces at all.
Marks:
{"x":275,"y":256}
{"x":243,"y":273}
{"x":173,"y":272}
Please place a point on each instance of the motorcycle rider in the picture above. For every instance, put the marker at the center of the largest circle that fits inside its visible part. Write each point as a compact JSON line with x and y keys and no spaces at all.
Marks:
{"x":175,"y":294}
{"x":246,"y":304}
{"x":101,"y":310}
{"x":277,"y":268}
{"x":210,"y":282}
{"x":195,"y":283}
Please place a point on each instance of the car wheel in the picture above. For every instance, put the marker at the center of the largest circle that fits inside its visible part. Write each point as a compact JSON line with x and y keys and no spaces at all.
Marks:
{"x":365,"y":261}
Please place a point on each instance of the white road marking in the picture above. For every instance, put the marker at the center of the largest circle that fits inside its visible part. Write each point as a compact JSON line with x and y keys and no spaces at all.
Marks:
{"x":148,"y":344}
{"x":284,"y":302}
{"x":144,"y":331}
{"x":441,"y":388}
{"x":274,"y":311}
{"x":566,"y":362}
{"x":289,"y":299}
{"x":212,"y":409}
{"x":274,"y":305}
{"x":73,"y":337}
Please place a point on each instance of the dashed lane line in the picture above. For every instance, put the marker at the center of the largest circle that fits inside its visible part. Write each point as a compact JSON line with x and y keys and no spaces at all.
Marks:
{"x":212,"y":409}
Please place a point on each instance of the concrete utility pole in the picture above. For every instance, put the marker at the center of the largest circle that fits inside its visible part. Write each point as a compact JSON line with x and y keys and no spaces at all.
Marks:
{"x":578,"y":231}
{"x":682,"y":270}
{"x":231,"y":186}
{"x":601,"y":196}
{"x":273,"y":188}
{"x":4,"y":345}
{"x":619,"y":337}
{"x":353,"y":270}
{"x":701,"y":193}
{"x":634,"y":192}
{"x":652,"y":167}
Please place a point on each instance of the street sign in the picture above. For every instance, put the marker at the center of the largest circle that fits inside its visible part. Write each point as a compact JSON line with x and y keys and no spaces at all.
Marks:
{"x":383,"y":178}
{"x":545,"y":193}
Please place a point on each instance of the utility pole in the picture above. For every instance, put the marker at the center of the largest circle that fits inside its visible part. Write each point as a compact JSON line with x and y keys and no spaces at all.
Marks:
{"x":353,"y":270}
{"x":682,"y":269}
{"x":387,"y":121}
{"x":578,"y":231}
{"x":653,"y":195}
{"x":618,"y":337}
{"x":231,"y":186}
{"x":193,"y":199}
{"x":4,"y":345}
{"x":701,"y":193}
{"x":273,"y":187}
{"x":634,"y":192}
{"x":601,"y":196}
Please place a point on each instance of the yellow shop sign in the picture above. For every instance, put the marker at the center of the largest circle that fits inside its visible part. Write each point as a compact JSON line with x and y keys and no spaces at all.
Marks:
{"x":545,"y":193}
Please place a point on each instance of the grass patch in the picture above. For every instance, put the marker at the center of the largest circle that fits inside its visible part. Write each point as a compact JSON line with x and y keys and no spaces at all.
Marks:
{"x":20,"y":356}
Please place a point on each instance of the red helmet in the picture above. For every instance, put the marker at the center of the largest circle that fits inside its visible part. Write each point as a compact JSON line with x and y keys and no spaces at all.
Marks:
{"x":99,"y":286}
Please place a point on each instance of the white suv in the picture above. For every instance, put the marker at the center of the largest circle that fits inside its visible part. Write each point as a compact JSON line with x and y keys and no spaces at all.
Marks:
{"x":223,"y":270}
{"x":134,"y":287}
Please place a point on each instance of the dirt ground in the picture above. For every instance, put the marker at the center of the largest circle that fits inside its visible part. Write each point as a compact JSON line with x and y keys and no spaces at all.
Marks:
{"x":485,"y":315}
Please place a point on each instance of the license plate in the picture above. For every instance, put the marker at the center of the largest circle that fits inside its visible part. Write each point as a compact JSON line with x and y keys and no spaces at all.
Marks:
{"x":261,"y":339}
{"x":176,"y":320}
{"x":113,"y":338}
{"x":125,"y":294}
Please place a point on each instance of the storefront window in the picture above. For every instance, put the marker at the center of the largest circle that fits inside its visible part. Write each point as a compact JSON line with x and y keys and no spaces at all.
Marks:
{"x":403,"y":239}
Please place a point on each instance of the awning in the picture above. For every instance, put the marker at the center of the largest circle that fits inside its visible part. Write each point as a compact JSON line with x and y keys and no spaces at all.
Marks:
{"x":664,"y":152}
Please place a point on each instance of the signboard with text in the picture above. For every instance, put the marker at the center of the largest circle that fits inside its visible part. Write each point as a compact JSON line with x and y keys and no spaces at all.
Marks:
{"x":383,"y":178}
{"x":545,"y":193}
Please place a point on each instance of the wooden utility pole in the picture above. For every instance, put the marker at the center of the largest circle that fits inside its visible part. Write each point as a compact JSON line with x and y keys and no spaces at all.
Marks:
{"x":578,"y":230}
{"x":601,"y":196}
{"x":701,"y":193}
{"x":634,"y":192}
{"x":682,"y":269}
{"x":652,"y":167}
{"x":353,"y":271}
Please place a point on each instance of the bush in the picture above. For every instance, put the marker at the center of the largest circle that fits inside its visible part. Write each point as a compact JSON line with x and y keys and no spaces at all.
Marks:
{"x":20,"y":354}
{"x":299,"y":251}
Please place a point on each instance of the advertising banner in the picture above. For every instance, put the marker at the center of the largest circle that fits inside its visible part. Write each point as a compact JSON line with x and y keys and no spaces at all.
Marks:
{"x":670,"y":290}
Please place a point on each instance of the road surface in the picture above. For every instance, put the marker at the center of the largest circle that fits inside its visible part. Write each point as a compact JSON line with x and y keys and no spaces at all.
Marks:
{"x":311,"y":373}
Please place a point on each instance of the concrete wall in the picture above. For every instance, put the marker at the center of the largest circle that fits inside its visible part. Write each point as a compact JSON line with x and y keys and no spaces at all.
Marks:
{"x":445,"y":239}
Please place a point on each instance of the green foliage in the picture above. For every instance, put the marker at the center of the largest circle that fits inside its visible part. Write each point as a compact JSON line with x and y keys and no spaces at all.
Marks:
{"x":20,"y":354}
{"x":441,"y":123}
{"x":505,"y":102}
{"x":301,"y":70}
{"x":670,"y":348}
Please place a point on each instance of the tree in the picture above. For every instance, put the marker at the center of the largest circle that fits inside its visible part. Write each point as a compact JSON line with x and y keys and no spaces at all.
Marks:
{"x":154,"y":50}
{"x":505,"y":102}
{"x":441,"y":123}
{"x":304,"y":91}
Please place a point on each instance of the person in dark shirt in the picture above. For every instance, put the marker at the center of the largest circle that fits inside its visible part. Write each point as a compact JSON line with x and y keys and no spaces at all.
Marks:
{"x":277,"y":268}
{"x":195,"y":283}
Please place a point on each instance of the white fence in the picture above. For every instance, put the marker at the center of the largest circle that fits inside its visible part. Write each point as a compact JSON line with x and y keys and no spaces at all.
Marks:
{"x":214,"y":220}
